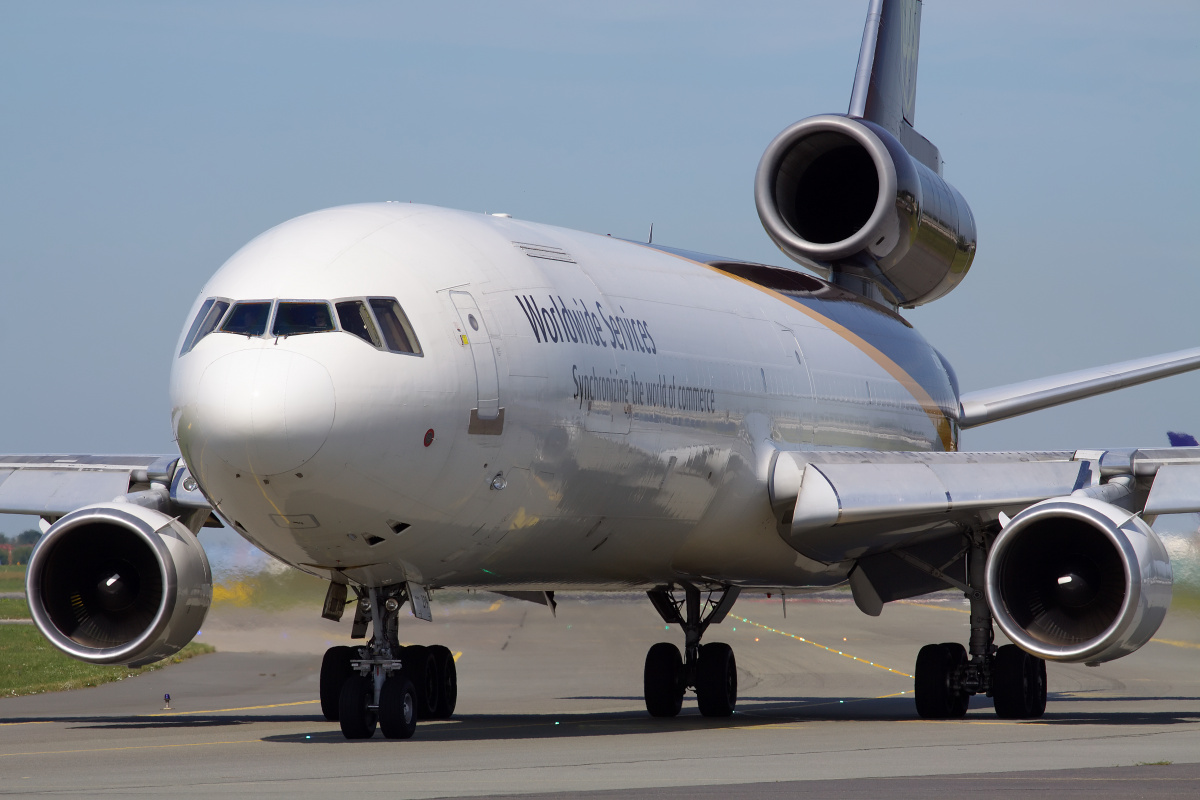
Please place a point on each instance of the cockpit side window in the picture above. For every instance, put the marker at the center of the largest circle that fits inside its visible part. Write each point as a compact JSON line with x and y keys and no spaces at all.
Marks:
{"x":293,"y":318}
{"x":397,"y":331}
{"x":205,"y":323}
{"x":248,"y":319}
{"x":355,"y":318}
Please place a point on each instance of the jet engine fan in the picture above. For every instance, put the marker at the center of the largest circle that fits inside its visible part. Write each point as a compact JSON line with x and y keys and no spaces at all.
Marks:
{"x":842,"y":195}
{"x":117,"y":583}
{"x":1077,"y":579}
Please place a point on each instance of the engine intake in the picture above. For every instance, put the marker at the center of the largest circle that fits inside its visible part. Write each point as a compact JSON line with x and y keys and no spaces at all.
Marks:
{"x":118,"y":584}
{"x":842,"y":195}
{"x":1078,"y":579}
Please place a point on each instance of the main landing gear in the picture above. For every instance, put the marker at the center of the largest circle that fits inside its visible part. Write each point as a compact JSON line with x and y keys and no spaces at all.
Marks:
{"x":947,"y":676}
{"x":381,"y":683}
{"x":709,"y":669}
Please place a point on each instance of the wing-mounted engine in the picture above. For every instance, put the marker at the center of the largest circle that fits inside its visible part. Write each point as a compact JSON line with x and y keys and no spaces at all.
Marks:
{"x":117,"y":583}
{"x":844,"y":197}
{"x":1077,"y":579}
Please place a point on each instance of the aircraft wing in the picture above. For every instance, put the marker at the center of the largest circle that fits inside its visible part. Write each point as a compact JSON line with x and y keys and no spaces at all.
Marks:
{"x":901,"y":515}
{"x":990,"y":405}
{"x":50,"y":486}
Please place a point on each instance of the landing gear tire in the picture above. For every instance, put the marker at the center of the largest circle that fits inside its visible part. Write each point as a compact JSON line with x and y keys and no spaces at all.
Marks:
{"x":661,"y":680}
{"x":716,"y":680}
{"x":936,"y":695}
{"x":398,"y":708}
{"x":447,"y":679}
{"x":335,"y":668}
{"x":421,"y":665}
{"x":355,"y":715}
{"x":1018,"y":684}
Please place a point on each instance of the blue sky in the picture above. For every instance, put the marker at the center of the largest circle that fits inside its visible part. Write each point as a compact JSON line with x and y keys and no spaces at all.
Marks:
{"x":145,"y":142}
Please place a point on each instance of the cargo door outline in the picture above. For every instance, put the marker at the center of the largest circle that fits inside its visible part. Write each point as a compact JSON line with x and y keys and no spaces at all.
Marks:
{"x":799,"y":366}
{"x":487,"y":383}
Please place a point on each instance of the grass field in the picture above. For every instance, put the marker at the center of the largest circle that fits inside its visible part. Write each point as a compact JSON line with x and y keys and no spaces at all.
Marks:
{"x":30,"y":665}
{"x":13,"y":608}
{"x":12,"y":579}
{"x":270,"y":591}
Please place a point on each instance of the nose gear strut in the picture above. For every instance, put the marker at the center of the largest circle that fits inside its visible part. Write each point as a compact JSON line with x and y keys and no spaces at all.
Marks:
{"x":381,"y":683}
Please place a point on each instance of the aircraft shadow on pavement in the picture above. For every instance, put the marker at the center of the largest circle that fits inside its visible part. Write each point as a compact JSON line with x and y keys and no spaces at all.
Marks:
{"x":166,"y":723}
{"x":752,"y":711}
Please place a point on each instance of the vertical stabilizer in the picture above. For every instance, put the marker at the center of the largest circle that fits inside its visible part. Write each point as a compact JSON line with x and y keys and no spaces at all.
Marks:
{"x":885,"y":83}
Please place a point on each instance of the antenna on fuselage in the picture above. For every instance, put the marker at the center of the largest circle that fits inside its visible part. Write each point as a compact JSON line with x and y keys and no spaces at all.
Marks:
{"x":650,"y":238}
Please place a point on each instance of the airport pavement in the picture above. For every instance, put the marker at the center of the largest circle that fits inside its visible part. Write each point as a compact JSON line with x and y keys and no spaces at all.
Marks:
{"x":551,"y":705}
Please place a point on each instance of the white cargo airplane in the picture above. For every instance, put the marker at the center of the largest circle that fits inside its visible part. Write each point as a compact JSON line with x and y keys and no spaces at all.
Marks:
{"x":399,"y":398}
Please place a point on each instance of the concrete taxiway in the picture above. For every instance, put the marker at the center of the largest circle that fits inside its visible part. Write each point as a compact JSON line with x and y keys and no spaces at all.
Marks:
{"x":553,"y":705}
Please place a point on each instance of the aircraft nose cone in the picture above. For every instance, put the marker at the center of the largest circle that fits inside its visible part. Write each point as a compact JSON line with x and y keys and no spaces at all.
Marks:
{"x":264,"y":411}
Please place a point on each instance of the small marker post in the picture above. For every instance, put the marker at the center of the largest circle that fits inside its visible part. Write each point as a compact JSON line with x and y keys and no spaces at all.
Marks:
{"x":167,"y":703}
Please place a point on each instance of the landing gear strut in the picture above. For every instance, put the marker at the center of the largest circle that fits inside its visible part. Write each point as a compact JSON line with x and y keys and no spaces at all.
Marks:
{"x":946,"y":676}
{"x":709,"y":669}
{"x":381,"y":683}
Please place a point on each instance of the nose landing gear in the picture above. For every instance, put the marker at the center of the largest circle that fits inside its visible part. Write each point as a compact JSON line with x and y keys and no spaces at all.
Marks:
{"x":710,"y":669}
{"x":382,"y":684}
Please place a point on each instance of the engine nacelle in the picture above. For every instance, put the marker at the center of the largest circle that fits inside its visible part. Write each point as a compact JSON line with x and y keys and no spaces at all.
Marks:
{"x":1078,"y":579}
{"x":841,"y":194}
{"x":117,"y":583}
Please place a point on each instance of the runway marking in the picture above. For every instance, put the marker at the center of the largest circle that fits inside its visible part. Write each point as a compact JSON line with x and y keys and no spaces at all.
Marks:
{"x":225,"y":710}
{"x":131,"y":747}
{"x":931,"y":605}
{"x":1177,"y":643}
{"x":823,"y":647}
{"x":27,"y":722}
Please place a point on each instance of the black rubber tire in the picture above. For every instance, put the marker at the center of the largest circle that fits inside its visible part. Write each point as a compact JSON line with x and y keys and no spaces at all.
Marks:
{"x":398,"y":708}
{"x":1018,"y":684}
{"x":420,"y":664}
{"x":716,"y":680}
{"x":354,"y":715}
{"x":447,"y":677}
{"x":934,"y":692}
{"x":661,"y":682}
{"x":335,"y":668}
{"x":958,"y":702}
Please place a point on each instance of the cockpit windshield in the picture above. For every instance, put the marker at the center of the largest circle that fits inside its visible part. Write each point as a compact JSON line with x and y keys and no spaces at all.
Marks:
{"x":205,"y":323}
{"x":356,"y":319}
{"x":292,"y":318}
{"x":248,"y":319}
{"x":378,"y":321}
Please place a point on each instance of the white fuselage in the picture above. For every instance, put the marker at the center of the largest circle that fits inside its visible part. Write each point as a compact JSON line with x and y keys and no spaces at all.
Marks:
{"x":585,"y":411}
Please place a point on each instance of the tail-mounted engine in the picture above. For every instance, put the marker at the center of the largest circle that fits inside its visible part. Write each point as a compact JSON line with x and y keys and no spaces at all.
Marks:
{"x":842,"y":196}
{"x":119,"y":584}
{"x":1077,"y":579}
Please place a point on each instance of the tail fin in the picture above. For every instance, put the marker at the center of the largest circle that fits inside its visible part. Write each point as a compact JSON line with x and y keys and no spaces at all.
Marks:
{"x":885,"y":83}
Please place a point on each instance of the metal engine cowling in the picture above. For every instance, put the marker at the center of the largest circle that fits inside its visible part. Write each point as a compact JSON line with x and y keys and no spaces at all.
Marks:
{"x":117,"y":583}
{"x":1077,"y":579}
{"x":841,"y":194}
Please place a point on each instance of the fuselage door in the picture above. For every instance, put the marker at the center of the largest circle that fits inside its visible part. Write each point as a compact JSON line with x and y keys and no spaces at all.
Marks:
{"x":800,"y":415}
{"x":475,"y":330}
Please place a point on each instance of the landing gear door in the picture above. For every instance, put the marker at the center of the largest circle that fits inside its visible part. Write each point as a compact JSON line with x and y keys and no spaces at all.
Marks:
{"x":476,"y":337}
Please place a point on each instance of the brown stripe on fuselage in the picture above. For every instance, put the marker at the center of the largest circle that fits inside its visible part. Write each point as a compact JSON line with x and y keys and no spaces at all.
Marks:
{"x":941,"y":422}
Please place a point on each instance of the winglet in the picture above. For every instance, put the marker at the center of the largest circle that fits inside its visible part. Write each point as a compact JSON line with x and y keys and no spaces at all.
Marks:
{"x":885,"y":83}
